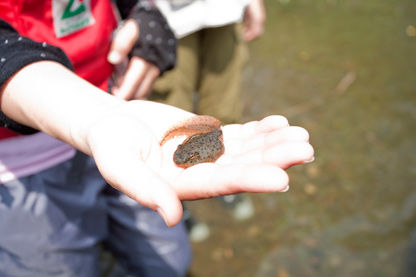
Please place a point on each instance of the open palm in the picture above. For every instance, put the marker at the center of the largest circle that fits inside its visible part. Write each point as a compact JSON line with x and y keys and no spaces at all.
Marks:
{"x":131,"y":159}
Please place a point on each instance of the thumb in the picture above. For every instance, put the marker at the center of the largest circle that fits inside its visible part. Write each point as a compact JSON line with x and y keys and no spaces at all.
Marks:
{"x":150,"y":190}
{"x":140,"y":182}
{"x":123,"y":41}
{"x":158,"y":195}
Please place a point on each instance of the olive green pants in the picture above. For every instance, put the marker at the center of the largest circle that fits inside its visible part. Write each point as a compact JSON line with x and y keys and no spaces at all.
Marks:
{"x":208,"y":76}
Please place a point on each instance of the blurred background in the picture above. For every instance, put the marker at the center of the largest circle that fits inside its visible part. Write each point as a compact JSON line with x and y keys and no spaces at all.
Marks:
{"x":346,"y":71}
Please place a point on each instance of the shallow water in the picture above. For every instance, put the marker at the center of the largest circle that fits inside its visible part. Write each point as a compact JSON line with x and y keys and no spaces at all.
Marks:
{"x":345,"y":71}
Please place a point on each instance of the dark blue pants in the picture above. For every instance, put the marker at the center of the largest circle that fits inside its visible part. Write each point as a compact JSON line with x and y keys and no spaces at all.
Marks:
{"x":51,"y":224}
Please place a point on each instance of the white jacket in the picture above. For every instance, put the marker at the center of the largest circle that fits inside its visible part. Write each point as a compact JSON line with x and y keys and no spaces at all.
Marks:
{"x":188,"y":16}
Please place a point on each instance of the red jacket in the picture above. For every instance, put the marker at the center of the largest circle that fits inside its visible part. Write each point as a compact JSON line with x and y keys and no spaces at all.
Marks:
{"x":63,"y":23}
{"x":81,"y":28}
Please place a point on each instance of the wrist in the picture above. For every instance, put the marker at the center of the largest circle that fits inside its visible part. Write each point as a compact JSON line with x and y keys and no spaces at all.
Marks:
{"x":48,"y":97}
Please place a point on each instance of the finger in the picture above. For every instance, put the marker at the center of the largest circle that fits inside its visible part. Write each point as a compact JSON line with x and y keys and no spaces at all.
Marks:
{"x":253,"y":32}
{"x":278,"y":136}
{"x":271,"y":123}
{"x":134,"y":75}
{"x":145,"y":86}
{"x":144,"y":185}
{"x":252,"y":128}
{"x":123,"y":41}
{"x":158,"y":195}
{"x":248,"y":35}
{"x":292,"y":133}
{"x":211,"y":180}
{"x":289,"y":153}
{"x":283,"y":155}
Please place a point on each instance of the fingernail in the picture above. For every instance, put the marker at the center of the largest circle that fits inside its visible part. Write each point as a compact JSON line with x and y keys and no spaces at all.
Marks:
{"x":114,"y":57}
{"x":163,"y":215}
{"x":309,"y":161}
{"x":286,"y":189}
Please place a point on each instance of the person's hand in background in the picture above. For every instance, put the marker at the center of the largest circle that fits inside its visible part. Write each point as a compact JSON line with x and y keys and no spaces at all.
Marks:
{"x":133,"y":78}
{"x":254,"y":18}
